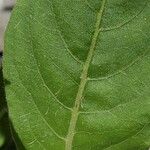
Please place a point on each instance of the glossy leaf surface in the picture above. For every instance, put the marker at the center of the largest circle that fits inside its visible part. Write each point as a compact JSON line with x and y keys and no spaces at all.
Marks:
{"x":80,"y":74}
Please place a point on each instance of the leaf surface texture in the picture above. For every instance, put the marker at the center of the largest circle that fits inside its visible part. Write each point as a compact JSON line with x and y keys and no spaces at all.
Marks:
{"x":79,"y":73}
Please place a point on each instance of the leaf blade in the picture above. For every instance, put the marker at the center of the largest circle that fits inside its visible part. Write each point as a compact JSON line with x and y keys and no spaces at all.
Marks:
{"x":42,"y":52}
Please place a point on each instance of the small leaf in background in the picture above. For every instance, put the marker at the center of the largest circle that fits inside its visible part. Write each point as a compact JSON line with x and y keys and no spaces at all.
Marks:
{"x":6,"y":141}
{"x":2,"y":138}
{"x":2,"y":109}
{"x":79,"y":73}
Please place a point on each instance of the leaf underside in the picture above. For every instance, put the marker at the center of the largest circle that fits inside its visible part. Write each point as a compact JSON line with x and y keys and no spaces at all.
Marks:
{"x":79,"y":73}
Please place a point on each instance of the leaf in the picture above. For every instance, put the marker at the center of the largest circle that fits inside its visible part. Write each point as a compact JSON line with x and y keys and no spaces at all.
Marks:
{"x":79,"y":73}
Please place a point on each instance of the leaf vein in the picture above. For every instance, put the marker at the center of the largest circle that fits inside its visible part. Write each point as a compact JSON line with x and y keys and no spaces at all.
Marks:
{"x":39,"y":110}
{"x":65,"y":44}
{"x":128,"y":137}
{"x":124,"y":23}
{"x":83,"y":82}
{"x":124,"y":68}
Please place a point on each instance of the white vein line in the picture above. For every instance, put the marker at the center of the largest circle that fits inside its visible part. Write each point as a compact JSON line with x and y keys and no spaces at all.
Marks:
{"x":64,"y":42}
{"x":17,"y":24}
{"x":55,"y":98}
{"x":39,"y":110}
{"x":122,"y":69}
{"x":49,"y":57}
{"x":135,"y":134}
{"x":36,"y":138}
{"x":124,"y":23}
{"x":128,"y":137}
{"x":62,"y":70}
{"x":30,"y":143}
{"x":106,"y":110}
{"x":33,"y":99}
{"x":83,"y":82}
{"x":49,"y":88}
{"x":53,"y":131}
{"x":66,"y":46}
{"x":88,"y":4}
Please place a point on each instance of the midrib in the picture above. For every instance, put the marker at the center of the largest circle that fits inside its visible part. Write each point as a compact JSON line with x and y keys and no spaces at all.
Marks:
{"x":84,"y":76}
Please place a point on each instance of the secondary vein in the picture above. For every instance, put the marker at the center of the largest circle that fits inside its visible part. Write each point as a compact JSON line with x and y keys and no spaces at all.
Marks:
{"x":84,"y":76}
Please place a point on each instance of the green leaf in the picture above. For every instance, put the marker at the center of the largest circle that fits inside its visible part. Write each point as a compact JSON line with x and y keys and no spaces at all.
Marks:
{"x":80,"y":74}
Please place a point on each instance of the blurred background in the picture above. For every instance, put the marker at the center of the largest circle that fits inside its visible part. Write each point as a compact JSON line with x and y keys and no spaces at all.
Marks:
{"x":5,"y":11}
{"x":6,"y":140}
